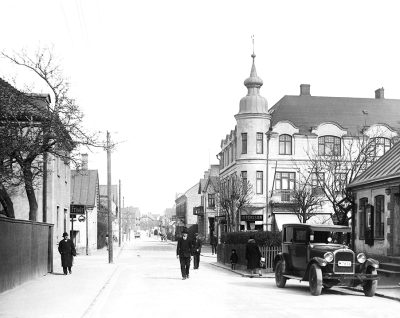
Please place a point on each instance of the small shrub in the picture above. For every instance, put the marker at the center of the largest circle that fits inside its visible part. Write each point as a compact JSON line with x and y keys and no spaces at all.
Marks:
{"x":261,"y":237}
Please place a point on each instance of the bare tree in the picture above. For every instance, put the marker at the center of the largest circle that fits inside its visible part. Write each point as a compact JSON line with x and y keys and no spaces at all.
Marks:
{"x":38,"y":126}
{"x":339,"y":168}
{"x":306,"y":199}
{"x":234,"y":195}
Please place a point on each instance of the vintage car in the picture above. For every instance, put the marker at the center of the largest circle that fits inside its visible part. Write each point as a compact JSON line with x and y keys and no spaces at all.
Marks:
{"x":320,"y":255}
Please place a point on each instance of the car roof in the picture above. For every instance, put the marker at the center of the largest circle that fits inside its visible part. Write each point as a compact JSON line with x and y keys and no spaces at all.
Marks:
{"x":320,"y":227}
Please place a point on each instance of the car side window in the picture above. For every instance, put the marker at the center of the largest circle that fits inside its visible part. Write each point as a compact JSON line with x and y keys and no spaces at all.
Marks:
{"x":288,"y":235}
{"x":299,"y":235}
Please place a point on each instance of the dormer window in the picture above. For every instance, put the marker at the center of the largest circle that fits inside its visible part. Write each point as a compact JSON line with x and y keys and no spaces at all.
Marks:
{"x":285,"y":145}
{"x":329,"y":146}
{"x":381,"y":145}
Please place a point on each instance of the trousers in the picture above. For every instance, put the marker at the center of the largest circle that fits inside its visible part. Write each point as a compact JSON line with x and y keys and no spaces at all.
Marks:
{"x":185,"y":265}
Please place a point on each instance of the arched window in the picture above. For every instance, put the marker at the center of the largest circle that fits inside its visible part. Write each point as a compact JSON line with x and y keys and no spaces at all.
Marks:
{"x":285,"y":145}
{"x":329,"y":146}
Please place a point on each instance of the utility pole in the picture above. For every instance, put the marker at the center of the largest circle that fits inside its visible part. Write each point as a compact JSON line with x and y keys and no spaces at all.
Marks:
{"x":110,"y":233}
{"x":119,"y":214}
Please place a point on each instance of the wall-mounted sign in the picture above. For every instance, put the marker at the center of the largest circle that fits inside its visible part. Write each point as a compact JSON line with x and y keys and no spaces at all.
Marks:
{"x":77,"y":209}
{"x":198,"y":210}
{"x":81,"y":218}
{"x":250,"y":218}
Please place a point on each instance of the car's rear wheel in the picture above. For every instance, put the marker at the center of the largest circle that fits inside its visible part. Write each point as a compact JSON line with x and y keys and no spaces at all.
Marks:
{"x":280,"y":280}
{"x":315,"y":280}
{"x":369,"y":286}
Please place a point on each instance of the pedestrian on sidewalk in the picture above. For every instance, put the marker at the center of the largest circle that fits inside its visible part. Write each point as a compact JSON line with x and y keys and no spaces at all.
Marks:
{"x":253,"y":256}
{"x":213,"y":242}
{"x":234,"y":259}
{"x":196,"y":251}
{"x":67,"y":250}
{"x":184,"y":252}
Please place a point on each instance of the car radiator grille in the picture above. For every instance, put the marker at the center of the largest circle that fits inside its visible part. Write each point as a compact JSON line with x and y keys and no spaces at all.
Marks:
{"x":343,"y":262}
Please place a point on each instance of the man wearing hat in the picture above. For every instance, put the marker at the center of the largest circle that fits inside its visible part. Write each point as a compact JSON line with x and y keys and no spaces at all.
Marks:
{"x":196,"y":251}
{"x":184,"y":252}
{"x":67,"y":250}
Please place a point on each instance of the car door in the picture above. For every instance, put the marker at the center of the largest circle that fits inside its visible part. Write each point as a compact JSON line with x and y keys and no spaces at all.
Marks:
{"x":299,"y":249}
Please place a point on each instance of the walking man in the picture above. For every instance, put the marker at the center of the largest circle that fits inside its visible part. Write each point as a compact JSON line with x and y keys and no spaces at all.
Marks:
{"x":196,"y":251}
{"x":67,"y":250}
{"x":184,"y":252}
{"x":213,"y":241}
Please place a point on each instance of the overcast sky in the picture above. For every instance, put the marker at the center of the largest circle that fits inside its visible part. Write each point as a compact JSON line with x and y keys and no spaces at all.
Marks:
{"x":166,"y":77}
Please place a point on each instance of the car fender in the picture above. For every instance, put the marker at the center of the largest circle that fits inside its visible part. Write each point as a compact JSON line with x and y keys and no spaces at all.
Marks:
{"x":315,"y":260}
{"x":370,"y":262}
{"x":278,"y":257}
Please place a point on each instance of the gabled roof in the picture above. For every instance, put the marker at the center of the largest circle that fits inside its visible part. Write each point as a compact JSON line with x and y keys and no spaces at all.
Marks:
{"x":213,"y":181}
{"x":385,"y":168}
{"x":307,"y":112}
{"x":202,"y":185}
{"x":84,"y":187}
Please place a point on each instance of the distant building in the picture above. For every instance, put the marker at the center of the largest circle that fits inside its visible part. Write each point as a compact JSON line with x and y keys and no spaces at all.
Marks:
{"x":206,"y":211}
{"x":185,"y":204}
{"x":102,"y":216}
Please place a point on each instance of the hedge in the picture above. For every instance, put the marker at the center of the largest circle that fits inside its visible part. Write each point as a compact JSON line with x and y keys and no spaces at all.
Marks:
{"x":261,"y":237}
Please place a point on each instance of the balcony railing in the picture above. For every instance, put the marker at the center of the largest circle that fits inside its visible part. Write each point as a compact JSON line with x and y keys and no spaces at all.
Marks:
{"x":282,"y":196}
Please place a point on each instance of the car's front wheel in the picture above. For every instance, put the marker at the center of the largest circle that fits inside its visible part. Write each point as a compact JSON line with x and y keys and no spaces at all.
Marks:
{"x":369,"y":286}
{"x":315,"y":280}
{"x":280,"y":280}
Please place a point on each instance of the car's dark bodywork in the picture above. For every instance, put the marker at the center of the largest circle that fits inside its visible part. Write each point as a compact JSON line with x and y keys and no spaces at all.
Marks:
{"x":320,"y":254}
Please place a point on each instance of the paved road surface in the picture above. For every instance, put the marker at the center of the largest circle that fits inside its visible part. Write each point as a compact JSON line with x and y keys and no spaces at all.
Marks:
{"x":147,"y":283}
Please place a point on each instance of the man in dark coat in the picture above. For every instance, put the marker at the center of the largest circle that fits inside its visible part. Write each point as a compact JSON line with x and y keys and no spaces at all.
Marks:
{"x":184,"y":252}
{"x":253,"y":256}
{"x":213,"y":242}
{"x":196,"y":251}
{"x":67,"y":250}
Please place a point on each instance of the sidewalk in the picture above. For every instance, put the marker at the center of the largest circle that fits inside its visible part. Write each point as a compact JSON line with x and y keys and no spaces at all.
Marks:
{"x":56,"y":295}
{"x":390,"y":291}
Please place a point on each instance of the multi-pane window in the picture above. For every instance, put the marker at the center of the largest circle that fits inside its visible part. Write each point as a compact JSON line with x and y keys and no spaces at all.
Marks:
{"x":362,"y":215}
{"x":244,"y":143}
{"x":340,"y":179}
{"x":259,"y":182}
{"x":211,"y":200}
{"x":317,"y":180}
{"x":329,"y":146}
{"x":381,"y":146}
{"x":259,"y":144}
{"x":285,"y":145}
{"x":243,"y":175}
{"x":231,"y":149}
{"x":285,"y":180}
{"x":228,"y":160}
{"x":379,"y":216}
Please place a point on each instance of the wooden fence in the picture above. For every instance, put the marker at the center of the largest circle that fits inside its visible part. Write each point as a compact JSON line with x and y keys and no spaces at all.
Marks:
{"x":26,"y":251}
{"x":224,"y":252}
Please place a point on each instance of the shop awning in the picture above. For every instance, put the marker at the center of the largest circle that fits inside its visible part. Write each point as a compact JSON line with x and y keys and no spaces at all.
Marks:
{"x":281,"y":219}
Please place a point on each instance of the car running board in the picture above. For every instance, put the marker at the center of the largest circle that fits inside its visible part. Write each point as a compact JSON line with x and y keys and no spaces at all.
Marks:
{"x":293,"y":277}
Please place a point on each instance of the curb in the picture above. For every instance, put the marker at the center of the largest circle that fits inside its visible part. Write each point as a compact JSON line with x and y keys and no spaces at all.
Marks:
{"x":267,"y":275}
{"x":378,"y":294}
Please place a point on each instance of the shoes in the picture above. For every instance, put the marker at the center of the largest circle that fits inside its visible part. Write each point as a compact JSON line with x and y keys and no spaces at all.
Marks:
{"x":187,"y":276}
{"x":183,"y":278}
{"x":70,"y":271}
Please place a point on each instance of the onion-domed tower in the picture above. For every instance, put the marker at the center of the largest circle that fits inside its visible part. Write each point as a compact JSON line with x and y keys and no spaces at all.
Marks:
{"x":253,"y":122}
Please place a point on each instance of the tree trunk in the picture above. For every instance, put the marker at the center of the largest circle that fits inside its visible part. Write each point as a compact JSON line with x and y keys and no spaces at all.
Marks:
{"x":6,"y":202}
{"x":30,"y":192}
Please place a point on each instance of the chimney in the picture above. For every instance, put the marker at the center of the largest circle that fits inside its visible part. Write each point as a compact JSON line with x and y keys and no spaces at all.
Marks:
{"x":380,"y":93}
{"x":84,"y":161}
{"x":305,"y":89}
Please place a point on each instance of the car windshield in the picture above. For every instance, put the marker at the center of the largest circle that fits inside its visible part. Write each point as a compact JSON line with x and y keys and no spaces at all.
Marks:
{"x":330,"y":237}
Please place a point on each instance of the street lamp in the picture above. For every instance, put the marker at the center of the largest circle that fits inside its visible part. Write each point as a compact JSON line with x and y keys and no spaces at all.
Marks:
{"x":268,"y":134}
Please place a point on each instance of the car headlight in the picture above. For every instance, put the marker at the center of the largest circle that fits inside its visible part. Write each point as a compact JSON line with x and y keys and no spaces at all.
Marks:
{"x":328,"y":256}
{"x":361,"y":258}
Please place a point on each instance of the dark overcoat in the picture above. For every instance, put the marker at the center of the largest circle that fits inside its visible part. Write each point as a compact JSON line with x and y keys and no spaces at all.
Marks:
{"x":197,"y":247}
{"x":253,"y":254}
{"x":67,"y":251}
{"x":184,"y":247}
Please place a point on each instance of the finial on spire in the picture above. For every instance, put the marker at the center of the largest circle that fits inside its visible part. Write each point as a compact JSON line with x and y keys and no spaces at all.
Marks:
{"x":252,"y":39}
